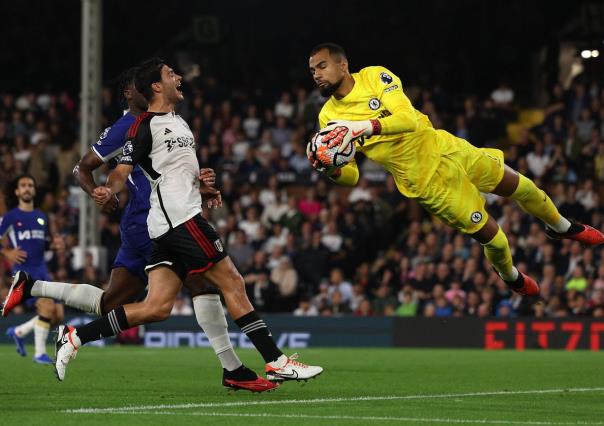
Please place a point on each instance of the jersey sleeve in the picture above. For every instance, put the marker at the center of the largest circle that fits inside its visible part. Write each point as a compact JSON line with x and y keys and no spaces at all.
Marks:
{"x":389,"y":91}
{"x":111,"y":141}
{"x":349,"y":174}
{"x":139,"y":141}
{"x":5,"y":224}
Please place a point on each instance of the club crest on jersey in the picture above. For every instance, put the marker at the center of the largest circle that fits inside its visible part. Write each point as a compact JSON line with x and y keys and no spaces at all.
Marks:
{"x":386,"y":78}
{"x":218,"y":245}
{"x":374,"y":103}
{"x":127,"y":148}
{"x":476,"y":217}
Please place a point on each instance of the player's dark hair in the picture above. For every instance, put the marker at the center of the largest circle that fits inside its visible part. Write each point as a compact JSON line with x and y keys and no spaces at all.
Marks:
{"x":125,"y":79}
{"x":9,"y":190}
{"x":333,"y":49}
{"x":146,"y":74}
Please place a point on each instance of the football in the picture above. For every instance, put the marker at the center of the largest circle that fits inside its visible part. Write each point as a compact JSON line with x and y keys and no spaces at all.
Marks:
{"x":327,"y":148}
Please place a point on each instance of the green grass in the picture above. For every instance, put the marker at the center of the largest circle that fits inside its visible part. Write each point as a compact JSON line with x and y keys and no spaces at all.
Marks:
{"x":128,"y":376}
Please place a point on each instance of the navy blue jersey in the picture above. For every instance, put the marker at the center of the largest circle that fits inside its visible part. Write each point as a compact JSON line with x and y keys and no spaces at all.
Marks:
{"x":109,"y":149}
{"x":29,"y":231}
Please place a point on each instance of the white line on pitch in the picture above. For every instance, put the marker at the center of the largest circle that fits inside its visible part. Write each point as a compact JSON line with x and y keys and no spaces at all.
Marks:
{"x":325,"y":400}
{"x":364,"y":418}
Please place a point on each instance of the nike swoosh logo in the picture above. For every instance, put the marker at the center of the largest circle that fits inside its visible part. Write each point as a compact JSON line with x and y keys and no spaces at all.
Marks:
{"x":293,"y":375}
{"x":356,"y":134}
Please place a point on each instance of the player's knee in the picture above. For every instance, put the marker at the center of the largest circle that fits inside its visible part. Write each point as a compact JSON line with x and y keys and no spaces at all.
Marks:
{"x":159,"y":312}
{"x":45,"y":307}
{"x":235,"y":283}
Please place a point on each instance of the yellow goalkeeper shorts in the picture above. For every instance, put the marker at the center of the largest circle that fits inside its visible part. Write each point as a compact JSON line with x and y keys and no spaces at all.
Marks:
{"x":464,"y":171}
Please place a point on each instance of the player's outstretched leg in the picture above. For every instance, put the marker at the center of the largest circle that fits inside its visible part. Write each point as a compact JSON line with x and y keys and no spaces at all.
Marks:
{"x":497,"y":251}
{"x":536,"y":202}
{"x":210,"y":316}
{"x":279,"y":367}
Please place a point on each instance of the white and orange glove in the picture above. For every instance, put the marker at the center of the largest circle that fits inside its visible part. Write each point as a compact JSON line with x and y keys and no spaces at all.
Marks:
{"x":349,"y":131}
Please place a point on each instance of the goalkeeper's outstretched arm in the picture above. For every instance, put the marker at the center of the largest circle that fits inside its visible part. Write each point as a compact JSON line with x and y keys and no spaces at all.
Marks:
{"x":347,"y":175}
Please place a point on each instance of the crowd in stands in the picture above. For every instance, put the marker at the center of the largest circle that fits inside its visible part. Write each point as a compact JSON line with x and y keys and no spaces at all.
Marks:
{"x":305,"y":245}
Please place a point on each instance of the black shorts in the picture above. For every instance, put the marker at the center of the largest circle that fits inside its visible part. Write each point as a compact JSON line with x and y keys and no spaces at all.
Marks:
{"x":191,"y":248}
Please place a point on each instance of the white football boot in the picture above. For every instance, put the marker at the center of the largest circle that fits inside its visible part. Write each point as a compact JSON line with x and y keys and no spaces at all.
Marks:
{"x":65,"y":350}
{"x":287,"y":368}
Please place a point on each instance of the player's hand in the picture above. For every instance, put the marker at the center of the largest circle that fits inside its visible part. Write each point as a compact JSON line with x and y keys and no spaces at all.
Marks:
{"x":102,"y":195}
{"x":344,"y":132}
{"x":207,"y":177}
{"x":316,"y":164}
{"x":212,"y":197}
{"x":111,"y":205}
{"x":15,"y":255}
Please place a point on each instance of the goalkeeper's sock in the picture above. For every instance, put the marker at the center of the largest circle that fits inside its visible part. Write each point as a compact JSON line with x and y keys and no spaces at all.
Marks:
{"x":257,"y":331}
{"x":41,"y":329}
{"x":109,"y":325}
{"x":536,"y":202}
{"x":498,"y":252}
{"x":84,"y":297}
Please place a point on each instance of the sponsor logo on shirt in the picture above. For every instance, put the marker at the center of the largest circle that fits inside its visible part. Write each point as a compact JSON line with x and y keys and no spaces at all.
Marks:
{"x":27,"y":234}
{"x":180,"y":142}
{"x":391,"y":88}
{"x":386,"y":78}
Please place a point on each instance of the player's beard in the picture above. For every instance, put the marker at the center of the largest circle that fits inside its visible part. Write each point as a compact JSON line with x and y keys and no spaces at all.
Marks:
{"x":330,"y":88}
{"x":26,"y":198}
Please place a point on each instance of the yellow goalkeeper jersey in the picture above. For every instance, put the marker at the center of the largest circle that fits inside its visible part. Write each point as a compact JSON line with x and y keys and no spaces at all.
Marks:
{"x":408,"y":147}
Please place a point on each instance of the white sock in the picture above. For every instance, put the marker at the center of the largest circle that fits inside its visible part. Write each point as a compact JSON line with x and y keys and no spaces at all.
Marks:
{"x":562,"y":226}
{"x":41,"y":330}
{"x":84,"y":297}
{"x":513,"y":276}
{"x":210,"y":316}
{"x":26,"y":328}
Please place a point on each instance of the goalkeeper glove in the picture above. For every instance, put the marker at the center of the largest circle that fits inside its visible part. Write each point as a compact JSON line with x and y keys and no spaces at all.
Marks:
{"x":332,"y":172}
{"x":355,"y":130}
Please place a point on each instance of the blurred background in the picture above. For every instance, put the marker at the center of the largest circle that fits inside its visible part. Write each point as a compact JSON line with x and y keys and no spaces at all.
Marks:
{"x":526,"y":77}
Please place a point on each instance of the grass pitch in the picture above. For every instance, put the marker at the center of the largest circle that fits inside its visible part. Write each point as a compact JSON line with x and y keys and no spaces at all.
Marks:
{"x":138,"y":386}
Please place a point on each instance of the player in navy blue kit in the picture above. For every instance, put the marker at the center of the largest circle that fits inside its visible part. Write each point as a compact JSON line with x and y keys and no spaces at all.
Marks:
{"x":26,"y":230}
{"x":128,"y":278}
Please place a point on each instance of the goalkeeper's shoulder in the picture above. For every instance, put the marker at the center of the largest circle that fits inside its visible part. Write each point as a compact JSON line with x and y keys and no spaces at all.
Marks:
{"x":377,"y":72}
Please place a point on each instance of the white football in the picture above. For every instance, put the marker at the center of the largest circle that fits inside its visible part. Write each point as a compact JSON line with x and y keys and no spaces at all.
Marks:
{"x":325,"y":149}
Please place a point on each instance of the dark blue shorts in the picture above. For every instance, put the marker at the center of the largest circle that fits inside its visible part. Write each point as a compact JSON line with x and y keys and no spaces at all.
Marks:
{"x":134,"y":256}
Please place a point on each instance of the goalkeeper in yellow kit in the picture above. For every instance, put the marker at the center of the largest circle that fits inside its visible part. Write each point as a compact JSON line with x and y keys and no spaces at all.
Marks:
{"x":444,"y":173}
